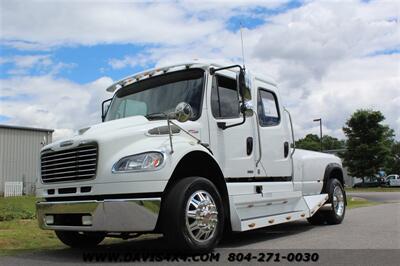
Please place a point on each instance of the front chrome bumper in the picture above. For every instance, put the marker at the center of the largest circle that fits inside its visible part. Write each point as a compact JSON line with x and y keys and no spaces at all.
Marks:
{"x":111,"y":215}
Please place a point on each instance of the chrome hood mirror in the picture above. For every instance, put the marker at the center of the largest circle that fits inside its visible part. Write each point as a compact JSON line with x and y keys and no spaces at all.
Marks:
{"x":183,"y":112}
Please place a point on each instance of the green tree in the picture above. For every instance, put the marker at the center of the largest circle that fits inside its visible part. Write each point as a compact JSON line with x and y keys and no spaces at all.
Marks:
{"x":392,"y":165}
{"x":368,"y":144}
{"x":312,"y":142}
{"x":331,"y":143}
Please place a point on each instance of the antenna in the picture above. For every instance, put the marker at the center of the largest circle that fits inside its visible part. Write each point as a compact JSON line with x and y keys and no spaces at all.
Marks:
{"x":241,"y":37}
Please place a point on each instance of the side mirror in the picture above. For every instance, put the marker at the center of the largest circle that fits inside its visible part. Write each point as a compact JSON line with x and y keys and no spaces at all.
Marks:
{"x":183,"y":112}
{"x":244,"y":85}
{"x":104,"y":108}
{"x":247,"y":108}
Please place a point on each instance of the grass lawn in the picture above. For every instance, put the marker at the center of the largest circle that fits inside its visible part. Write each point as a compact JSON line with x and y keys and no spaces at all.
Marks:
{"x":17,"y":208}
{"x":19,"y":228}
{"x":355,"y":202}
{"x":23,"y":235}
{"x":374,"y":189}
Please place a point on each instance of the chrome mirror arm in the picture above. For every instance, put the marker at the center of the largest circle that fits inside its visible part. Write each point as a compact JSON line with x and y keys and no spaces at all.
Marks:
{"x":170,"y":133}
{"x":183,"y":112}
{"x":169,"y":117}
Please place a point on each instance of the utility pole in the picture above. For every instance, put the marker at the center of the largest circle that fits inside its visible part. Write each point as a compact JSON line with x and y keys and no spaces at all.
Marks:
{"x":320,"y":129}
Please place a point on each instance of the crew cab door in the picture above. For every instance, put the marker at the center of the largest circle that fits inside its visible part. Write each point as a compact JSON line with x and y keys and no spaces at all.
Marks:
{"x":275,"y":134}
{"x":233,"y":147}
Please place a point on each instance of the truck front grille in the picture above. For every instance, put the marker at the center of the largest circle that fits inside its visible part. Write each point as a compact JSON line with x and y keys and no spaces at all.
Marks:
{"x":79,"y":163}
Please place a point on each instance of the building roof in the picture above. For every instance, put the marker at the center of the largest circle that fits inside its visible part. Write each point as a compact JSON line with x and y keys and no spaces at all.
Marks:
{"x":26,"y":128}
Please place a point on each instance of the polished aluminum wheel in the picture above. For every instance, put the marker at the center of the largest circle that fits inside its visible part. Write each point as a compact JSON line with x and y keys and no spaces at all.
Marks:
{"x":201,"y":216}
{"x":338,"y":201}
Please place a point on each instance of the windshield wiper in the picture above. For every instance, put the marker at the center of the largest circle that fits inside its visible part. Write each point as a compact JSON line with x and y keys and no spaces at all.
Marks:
{"x":156,"y":116}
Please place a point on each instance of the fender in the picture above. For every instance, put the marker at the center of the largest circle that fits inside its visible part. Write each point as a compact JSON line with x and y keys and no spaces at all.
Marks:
{"x":332,"y":169}
{"x":199,"y":162}
{"x":183,"y":149}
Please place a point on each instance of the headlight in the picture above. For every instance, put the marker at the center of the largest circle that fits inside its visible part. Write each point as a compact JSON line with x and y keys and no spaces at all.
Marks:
{"x":139,"y":162}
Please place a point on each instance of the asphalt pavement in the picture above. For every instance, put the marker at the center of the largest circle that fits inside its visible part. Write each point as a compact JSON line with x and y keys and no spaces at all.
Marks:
{"x":367,"y":236}
{"x":377,"y":196}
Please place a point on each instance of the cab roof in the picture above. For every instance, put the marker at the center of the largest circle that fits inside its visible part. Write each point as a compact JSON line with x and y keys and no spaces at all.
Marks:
{"x":170,"y":68}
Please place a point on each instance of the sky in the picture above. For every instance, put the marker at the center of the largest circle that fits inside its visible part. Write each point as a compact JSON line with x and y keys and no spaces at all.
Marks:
{"x":329,"y":58}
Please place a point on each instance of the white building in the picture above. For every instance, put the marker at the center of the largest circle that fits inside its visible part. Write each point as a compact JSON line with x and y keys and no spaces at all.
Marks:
{"x":20,"y":155}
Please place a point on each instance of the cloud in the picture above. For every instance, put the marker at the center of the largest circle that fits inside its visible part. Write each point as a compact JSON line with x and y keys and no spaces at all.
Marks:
{"x":53,"y":103}
{"x":24,"y":64}
{"x":31,"y":60}
{"x":350,"y":85}
{"x":321,"y":33}
{"x":41,"y":25}
{"x":89,"y":23}
{"x":141,"y":60}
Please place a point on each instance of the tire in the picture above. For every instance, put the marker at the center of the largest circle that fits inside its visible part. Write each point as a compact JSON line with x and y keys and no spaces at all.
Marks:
{"x":334,"y":215}
{"x":194,"y":216}
{"x":337,"y":198}
{"x":80,"y":240}
{"x":317,"y":219}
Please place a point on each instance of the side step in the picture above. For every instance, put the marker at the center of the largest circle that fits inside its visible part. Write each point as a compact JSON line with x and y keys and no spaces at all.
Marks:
{"x":315,"y":202}
{"x":271,"y":220}
{"x":306,"y":207}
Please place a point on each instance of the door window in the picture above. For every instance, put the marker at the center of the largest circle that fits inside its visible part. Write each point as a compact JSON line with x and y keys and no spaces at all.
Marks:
{"x":267,"y":109}
{"x":224,"y":98}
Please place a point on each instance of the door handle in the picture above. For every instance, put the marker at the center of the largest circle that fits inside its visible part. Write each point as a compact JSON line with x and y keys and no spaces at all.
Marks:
{"x":249,"y":145}
{"x":286,"y":148}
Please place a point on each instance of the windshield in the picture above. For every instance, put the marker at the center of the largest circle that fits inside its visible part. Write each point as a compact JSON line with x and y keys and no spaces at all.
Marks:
{"x":160,"y":94}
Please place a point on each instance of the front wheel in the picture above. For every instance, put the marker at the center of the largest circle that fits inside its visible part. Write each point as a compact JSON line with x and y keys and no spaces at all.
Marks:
{"x":80,"y":239}
{"x":337,"y":199}
{"x":194,"y":216}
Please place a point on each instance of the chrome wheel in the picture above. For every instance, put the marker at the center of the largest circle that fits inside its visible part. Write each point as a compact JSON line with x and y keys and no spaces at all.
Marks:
{"x":201,"y":216}
{"x":338,"y":201}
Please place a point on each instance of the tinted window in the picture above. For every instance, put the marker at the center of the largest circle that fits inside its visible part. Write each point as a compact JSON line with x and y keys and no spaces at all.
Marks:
{"x":159,"y":94}
{"x":224,"y":98}
{"x":267,"y":109}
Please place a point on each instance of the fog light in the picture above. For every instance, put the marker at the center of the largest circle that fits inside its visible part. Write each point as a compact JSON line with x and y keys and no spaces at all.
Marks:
{"x":49,"y":219}
{"x":86,"y":220}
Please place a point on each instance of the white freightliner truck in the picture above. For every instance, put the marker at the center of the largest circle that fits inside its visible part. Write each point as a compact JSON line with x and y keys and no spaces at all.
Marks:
{"x":191,"y":151}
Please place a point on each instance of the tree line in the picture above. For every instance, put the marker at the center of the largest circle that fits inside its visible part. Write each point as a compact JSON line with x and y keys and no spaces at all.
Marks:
{"x":369,"y":147}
